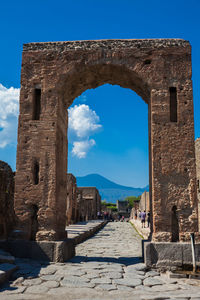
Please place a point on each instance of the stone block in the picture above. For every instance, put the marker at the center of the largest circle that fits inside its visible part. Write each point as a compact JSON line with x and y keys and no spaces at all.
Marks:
{"x":169,"y":255}
{"x":45,"y":251}
{"x":6,"y":271}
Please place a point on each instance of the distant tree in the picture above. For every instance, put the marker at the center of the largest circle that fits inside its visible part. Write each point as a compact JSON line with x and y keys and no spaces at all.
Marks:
{"x":132,"y":199}
{"x":110,"y":206}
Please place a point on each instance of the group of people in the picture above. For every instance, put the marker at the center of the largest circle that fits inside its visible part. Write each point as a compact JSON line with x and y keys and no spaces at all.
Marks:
{"x":143,"y":216}
{"x":105,"y":216}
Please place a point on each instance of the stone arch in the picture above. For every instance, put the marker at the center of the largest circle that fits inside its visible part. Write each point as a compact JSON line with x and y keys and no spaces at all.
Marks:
{"x":157,"y":70}
{"x":82,"y":78}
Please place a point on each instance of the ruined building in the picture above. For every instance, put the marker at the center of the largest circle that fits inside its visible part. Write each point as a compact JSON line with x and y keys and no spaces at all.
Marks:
{"x":90,"y":203}
{"x":83,"y":203}
{"x":7,"y":216}
{"x":123,"y":208}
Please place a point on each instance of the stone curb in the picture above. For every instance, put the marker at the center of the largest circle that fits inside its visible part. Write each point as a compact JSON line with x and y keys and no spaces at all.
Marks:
{"x":143,"y":232}
{"x":86,"y":232}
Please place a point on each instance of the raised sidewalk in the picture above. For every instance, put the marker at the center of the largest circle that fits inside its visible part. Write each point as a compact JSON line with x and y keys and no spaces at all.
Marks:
{"x":80,"y":231}
{"x":144,"y":232}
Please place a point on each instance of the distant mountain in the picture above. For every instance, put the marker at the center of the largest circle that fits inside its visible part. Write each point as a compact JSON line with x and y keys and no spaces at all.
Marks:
{"x":109,"y":191}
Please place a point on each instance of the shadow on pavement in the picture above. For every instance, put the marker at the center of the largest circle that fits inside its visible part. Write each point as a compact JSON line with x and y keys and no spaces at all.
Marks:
{"x":127,"y":261}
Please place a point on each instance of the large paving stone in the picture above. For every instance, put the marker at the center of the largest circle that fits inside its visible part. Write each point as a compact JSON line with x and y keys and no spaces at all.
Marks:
{"x":78,"y":282}
{"x":137,"y":267}
{"x":152,"y":274}
{"x":124,"y":288}
{"x":106,"y":287}
{"x":39,"y":289}
{"x":165,"y":287}
{"x":71,"y":272}
{"x":12,"y":290}
{"x":112,"y":275}
{"x":50,"y":284}
{"x":30,"y":282}
{"x":18,"y":281}
{"x":128,"y":282}
{"x":53,"y":277}
{"x":133,"y":275}
{"x":102,"y":280}
{"x":76,"y":278}
{"x":48,"y":270}
{"x":150,"y":281}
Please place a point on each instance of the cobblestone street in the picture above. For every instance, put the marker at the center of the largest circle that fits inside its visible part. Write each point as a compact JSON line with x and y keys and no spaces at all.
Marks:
{"x":106,"y":266}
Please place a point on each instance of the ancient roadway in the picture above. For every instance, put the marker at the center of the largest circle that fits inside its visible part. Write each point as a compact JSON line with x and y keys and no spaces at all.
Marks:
{"x":107,"y":266}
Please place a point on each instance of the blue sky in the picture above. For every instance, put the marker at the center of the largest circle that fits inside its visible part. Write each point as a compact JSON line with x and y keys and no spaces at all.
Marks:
{"x":118,"y":141}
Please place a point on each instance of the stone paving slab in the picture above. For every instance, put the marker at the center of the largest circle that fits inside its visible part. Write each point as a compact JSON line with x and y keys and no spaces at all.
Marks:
{"x":107,"y":266}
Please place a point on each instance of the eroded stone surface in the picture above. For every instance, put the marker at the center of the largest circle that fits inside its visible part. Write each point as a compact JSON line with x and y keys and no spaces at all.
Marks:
{"x":158,"y":70}
{"x":7,"y":214}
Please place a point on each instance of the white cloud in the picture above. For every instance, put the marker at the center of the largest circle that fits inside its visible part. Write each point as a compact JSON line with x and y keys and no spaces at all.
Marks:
{"x":83,"y":121}
{"x":81,"y":148}
{"x":9,"y":109}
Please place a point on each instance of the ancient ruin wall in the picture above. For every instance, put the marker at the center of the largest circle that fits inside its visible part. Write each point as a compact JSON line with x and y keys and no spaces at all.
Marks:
{"x":54,"y":74}
{"x":144,"y":203}
{"x":71,"y":205}
{"x":92,"y":200}
{"x":197,"y":154}
{"x":7,"y":215}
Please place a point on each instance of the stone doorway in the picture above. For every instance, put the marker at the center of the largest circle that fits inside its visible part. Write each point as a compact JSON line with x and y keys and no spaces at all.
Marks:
{"x":54,"y":74}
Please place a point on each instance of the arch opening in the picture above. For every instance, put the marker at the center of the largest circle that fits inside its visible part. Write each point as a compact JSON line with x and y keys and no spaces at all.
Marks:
{"x":82,"y":78}
{"x":126,"y":105}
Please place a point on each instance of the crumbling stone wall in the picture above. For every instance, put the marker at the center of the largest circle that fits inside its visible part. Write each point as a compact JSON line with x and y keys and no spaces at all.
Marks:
{"x":197,"y":154}
{"x":123,"y":208}
{"x":81,"y":205}
{"x":7,"y":215}
{"x":71,"y":205}
{"x":54,"y":74}
{"x":144,"y":203}
{"x":92,"y":202}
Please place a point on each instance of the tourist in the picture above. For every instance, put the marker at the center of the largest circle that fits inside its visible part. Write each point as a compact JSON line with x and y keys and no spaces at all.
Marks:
{"x":148,"y":219}
{"x":99,"y":215}
{"x":135,"y":214}
{"x":139,"y":214}
{"x":143,"y":218}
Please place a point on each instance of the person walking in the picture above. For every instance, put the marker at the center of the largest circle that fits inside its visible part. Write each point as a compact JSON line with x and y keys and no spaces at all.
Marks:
{"x":135,"y":214}
{"x":143,"y":218}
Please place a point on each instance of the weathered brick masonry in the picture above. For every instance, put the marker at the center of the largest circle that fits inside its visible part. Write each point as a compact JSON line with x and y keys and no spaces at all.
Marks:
{"x":54,"y":74}
{"x":7,"y":215}
{"x":91,"y":203}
